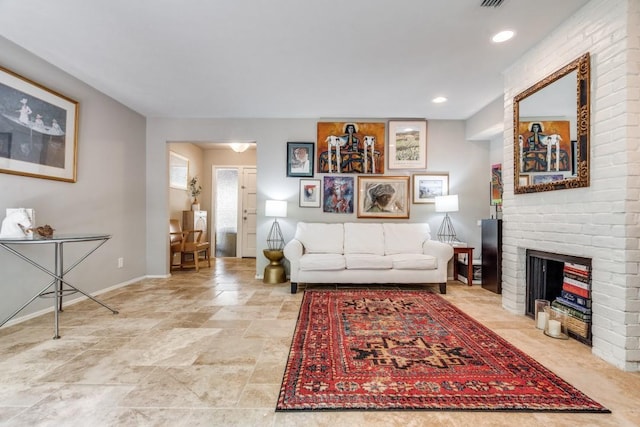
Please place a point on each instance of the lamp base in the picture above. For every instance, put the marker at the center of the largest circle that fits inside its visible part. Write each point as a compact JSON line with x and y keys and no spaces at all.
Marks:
{"x":446,"y":233}
{"x":274,"y":272}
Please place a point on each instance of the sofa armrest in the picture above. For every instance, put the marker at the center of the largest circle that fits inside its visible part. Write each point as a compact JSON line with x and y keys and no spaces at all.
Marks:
{"x":442,"y":251}
{"x":437,"y":249}
{"x":293,"y":251}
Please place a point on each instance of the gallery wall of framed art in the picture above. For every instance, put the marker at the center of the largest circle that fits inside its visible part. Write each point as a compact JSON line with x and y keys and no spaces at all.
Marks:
{"x":351,"y":161}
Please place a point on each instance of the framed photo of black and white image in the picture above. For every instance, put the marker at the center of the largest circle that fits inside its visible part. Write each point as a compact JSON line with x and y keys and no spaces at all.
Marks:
{"x":38,"y":130}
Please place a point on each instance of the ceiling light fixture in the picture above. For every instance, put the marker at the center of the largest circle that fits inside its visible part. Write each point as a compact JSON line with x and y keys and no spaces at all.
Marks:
{"x":439,"y":100}
{"x":503,"y":36}
{"x":239,"y":147}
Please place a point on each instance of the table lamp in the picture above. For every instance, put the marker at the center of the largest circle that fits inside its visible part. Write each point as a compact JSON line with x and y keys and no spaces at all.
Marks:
{"x":447,"y":204}
{"x":276,"y":209}
{"x":274,"y":272}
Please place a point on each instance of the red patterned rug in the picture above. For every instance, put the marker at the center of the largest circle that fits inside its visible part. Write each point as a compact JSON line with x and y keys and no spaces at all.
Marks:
{"x":364,"y":349}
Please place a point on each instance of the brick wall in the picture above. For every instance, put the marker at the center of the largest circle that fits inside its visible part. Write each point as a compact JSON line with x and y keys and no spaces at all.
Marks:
{"x":599,"y":221}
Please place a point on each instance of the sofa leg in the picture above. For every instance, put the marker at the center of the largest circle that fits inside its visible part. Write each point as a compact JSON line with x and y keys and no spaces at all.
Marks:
{"x":294,"y":287}
{"x":443,"y":288}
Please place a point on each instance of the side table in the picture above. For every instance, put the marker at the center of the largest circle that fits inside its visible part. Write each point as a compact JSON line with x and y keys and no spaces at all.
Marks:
{"x":463,"y":250}
{"x":274,"y":272}
{"x":59,"y":272}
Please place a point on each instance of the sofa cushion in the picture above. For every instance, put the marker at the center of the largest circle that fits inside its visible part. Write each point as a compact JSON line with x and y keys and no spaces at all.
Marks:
{"x":322,"y":262}
{"x":414,"y":262}
{"x":320,"y":238}
{"x":405,"y":238}
{"x":363,"y":239}
{"x":367,"y":262}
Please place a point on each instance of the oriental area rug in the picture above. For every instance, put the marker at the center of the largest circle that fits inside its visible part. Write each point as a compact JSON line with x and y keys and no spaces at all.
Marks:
{"x":413,"y":350}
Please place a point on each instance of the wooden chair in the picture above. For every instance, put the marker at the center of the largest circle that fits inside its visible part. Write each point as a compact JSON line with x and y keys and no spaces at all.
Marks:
{"x":181,"y":242}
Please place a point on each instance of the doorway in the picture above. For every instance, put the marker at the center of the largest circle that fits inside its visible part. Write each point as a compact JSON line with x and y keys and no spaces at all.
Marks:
{"x":234,"y":212}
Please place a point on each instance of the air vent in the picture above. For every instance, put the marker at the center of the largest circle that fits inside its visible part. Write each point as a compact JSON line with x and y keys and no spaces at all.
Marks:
{"x":491,"y":3}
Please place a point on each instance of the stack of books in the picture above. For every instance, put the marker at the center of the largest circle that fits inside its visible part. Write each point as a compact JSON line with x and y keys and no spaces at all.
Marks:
{"x":575,"y":298}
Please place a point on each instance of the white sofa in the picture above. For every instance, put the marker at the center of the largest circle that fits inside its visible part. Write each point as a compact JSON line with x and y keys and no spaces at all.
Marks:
{"x":366,"y":253}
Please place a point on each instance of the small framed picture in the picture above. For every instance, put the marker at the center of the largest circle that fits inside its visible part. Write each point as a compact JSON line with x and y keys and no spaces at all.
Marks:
{"x":427,"y":186}
{"x":178,"y":171}
{"x":338,"y":194}
{"x":407,"y":144}
{"x":383,"y":197}
{"x":310,"y":193}
{"x":300,"y":157}
{"x":496,"y":184}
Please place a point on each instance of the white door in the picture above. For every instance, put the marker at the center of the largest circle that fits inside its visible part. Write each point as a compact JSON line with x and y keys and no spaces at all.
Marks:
{"x":248,"y":213}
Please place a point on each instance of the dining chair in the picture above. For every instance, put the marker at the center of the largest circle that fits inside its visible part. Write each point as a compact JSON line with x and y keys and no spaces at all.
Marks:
{"x":190,"y":249}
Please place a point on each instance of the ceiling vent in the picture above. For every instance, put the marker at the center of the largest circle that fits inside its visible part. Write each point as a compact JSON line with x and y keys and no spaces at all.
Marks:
{"x":491,"y":3}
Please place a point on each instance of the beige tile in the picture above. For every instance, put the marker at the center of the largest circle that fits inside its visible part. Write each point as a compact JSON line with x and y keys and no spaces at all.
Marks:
{"x":210,"y":348}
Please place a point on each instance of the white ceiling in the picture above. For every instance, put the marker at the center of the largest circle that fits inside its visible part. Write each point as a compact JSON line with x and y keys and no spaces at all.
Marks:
{"x":285,"y":58}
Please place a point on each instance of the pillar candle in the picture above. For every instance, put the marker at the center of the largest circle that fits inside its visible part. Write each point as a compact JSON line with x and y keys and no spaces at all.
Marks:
{"x":554,"y":328}
{"x":542,"y":320}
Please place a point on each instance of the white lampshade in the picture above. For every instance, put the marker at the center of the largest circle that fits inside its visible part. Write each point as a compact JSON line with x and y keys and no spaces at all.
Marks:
{"x":447,"y":203}
{"x":275,"y":208}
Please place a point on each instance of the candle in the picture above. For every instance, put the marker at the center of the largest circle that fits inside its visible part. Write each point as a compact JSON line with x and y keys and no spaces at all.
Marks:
{"x":542,"y":320}
{"x":554,"y":328}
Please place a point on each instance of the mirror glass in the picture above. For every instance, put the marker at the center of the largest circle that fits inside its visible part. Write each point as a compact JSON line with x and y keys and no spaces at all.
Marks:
{"x":551,"y":131}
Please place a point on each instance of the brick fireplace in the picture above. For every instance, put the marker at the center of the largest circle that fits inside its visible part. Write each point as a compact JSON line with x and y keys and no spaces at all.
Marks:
{"x":599,"y":222}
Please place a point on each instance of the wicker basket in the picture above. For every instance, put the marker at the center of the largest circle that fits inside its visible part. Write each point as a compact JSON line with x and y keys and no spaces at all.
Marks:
{"x":577,"y":326}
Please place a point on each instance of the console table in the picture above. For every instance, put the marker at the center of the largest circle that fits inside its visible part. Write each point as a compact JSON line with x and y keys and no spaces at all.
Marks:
{"x":58,"y":282}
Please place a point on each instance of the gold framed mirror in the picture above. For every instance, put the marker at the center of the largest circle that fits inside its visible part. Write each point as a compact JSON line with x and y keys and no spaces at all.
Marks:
{"x":551,"y":122}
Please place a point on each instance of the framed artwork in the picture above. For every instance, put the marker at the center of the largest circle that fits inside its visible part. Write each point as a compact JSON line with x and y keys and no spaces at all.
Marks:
{"x":38,"y":130}
{"x":178,"y":171}
{"x":351,"y":147}
{"x":383,"y":197}
{"x":545,"y":146}
{"x":300,"y":159}
{"x":338,"y":194}
{"x":407,"y":144}
{"x":524,"y":180}
{"x":309,"y":193}
{"x":427,"y":186}
{"x":496,"y":184}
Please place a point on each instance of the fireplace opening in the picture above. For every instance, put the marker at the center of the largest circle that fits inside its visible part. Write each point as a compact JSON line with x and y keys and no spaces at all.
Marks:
{"x":565,"y":281}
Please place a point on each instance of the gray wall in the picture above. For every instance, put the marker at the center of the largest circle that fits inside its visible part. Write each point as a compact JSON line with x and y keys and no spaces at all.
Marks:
{"x":109,"y":195}
{"x":467,"y":163}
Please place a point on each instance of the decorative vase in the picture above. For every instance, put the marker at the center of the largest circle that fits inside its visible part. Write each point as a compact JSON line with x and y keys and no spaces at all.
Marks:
{"x":195,"y":206}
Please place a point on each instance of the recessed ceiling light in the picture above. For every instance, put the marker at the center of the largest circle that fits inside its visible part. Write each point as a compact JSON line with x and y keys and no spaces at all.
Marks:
{"x":502,"y":36}
{"x":439,"y":100}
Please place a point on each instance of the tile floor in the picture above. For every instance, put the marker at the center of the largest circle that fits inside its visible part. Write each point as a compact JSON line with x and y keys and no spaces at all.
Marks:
{"x":209,"y":349}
